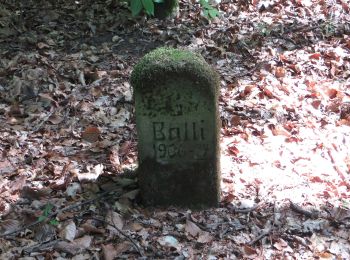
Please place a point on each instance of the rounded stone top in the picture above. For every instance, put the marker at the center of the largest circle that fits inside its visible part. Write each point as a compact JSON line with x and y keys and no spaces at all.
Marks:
{"x":163,"y":64}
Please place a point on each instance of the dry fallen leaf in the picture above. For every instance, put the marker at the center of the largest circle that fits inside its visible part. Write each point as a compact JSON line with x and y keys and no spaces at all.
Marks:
{"x":69,"y":231}
{"x":280,"y":244}
{"x":168,"y":241}
{"x":204,"y":237}
{"x":315,"y":56}
{"x":91,"y":134}
{"x":280,"y":72}
{"x":84,"y":242}
{"x":192,"y":228}
{"x":75,"y":247}
{"x":92,"y":174}
{"x":33,"y":194}
{"x":89,"y":228}
{"x":134,"y":226}
{"x":249,"y":251}
{"x":44,"y":232}
{"x":123,"y":247}
{"x":55,"y":119}
{"x":8,"y":226}
{"x":115,"y":219}
{"x":109,"y":252}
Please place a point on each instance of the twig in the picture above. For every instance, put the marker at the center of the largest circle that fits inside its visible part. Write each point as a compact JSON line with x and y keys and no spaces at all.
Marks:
{"x":297,"y":239}
{"x":50,"y":216}
{"x":44,"y":120}
{"x":301,"y":28}
{"x":41,"y":246}
{"x":263,"y":234}
{"x":298,"y":209}
{"x":138,"y":249}
{"x":247,"y":210}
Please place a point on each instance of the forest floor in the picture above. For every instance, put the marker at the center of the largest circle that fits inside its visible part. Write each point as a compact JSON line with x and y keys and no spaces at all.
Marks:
{"x":69,"y":146}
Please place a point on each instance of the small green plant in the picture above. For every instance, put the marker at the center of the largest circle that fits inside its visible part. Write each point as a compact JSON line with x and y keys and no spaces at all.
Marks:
{"x":263,"y":29}
{"x":137,"y":6}
{"x":208,"y":10}
{"x":328,"y":28}
{"x":46,"y":213}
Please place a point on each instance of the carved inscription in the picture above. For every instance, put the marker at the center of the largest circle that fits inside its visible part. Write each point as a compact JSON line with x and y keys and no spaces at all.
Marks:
{"x":180,"y":132}
{"x":179,"y":140}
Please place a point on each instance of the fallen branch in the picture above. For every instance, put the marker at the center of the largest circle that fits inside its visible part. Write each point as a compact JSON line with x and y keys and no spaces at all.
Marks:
{"x":41,"y":246}
{"x":246,"y":210}
{"x":300,"y":210}
{"x":259,"y":237}
{"x":296,"y":239}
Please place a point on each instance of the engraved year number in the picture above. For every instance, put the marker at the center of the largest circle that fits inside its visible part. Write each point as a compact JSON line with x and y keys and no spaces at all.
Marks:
{"x":163,"y":151}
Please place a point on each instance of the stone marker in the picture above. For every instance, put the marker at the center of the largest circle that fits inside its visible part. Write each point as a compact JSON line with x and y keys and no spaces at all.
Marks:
{"x":176,"y":105}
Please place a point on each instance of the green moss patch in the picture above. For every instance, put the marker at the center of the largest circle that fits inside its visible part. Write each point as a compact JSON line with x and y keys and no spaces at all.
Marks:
{"x":174,"y":63}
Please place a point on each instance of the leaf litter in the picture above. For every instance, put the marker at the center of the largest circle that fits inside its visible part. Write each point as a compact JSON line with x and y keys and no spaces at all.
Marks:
{"x":68,"y":134}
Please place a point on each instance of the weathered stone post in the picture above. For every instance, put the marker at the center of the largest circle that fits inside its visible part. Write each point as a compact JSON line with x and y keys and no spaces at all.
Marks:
{"x":176,"y":105}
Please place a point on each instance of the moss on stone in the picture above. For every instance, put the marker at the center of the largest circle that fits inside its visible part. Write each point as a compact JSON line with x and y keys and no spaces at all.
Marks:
{"x":163,"y":63}
{"x":165,"y":9}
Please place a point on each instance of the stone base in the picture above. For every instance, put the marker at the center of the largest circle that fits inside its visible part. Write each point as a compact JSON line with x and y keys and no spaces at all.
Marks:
{"x":196,"y":186}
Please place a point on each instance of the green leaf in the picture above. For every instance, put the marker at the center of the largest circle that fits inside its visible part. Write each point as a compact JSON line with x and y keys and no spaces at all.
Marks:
{"x":54,"y":222}
{"x":47,"y":209}
{"x":205,"y":4}
{"x":149,"y":6}
{"x":41,"y":218}
{"x":206,"y":13}
{"x":158,"y":1}
{"x":136,"y":7}
{"x":213,"y":12}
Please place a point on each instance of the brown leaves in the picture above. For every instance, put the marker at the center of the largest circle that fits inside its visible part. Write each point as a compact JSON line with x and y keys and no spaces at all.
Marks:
{"x":280,"y":72}
{"x":284,"y":94}
{"x":68,"y":232}
{"x":192,"y":228}
{"x":90,"y":134}
{"x":75,"y":247}
{"x":111,"y":251}
{"x":93,"y":172}
{"x":115,"y":222}
{"x":315,"y":56}
{"x":194,"y":231}
{"x":32,"y":193}
{"x":8,"y":226}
